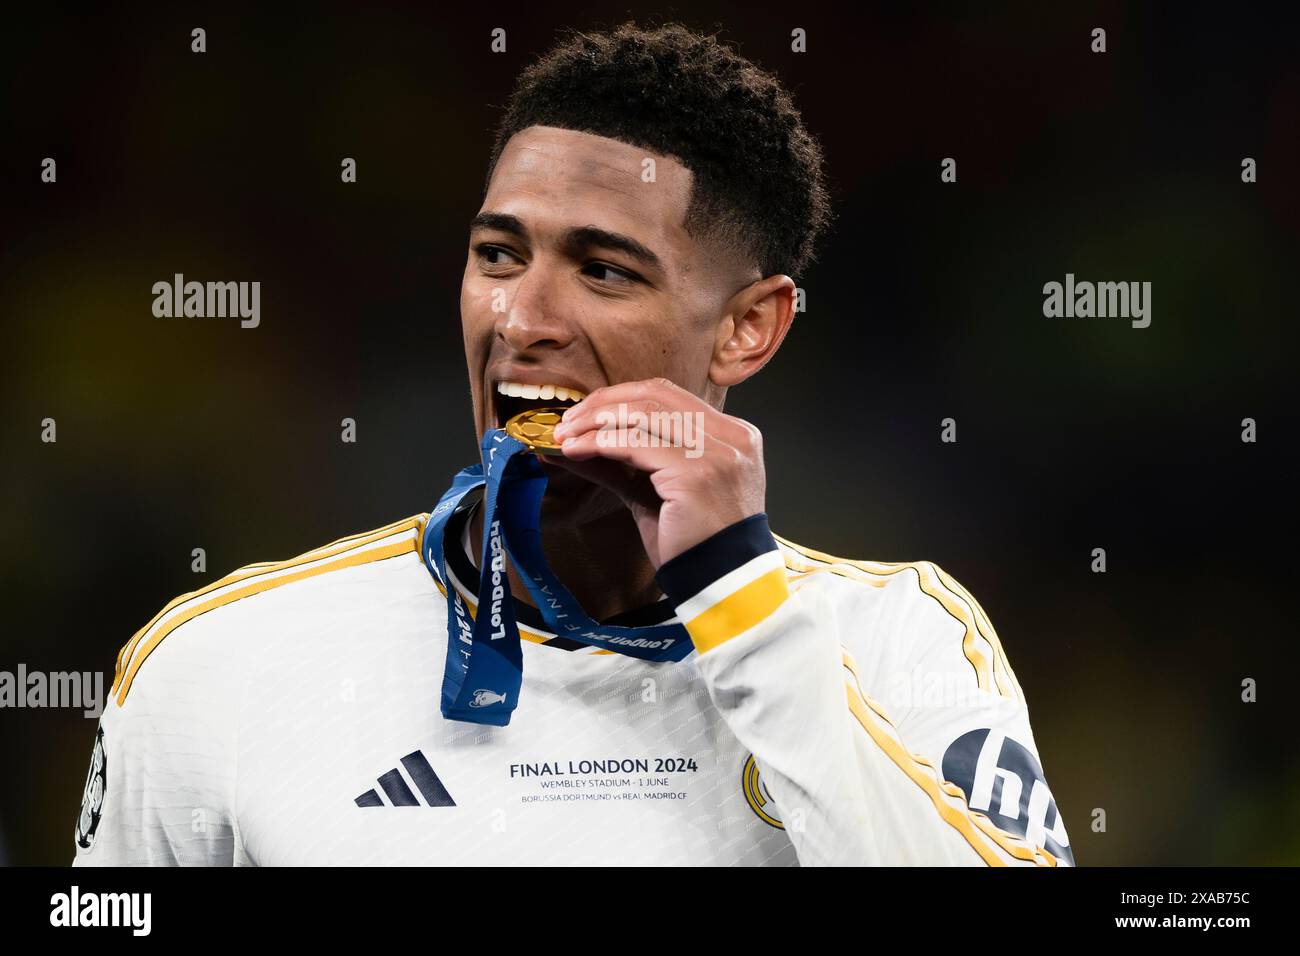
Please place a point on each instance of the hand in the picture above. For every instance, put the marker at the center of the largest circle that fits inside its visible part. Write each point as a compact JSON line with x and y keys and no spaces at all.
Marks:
{"x":679,"y":494}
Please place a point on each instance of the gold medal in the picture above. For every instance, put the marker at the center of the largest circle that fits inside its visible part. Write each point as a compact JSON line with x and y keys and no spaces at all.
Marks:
{"x":536,"y":429}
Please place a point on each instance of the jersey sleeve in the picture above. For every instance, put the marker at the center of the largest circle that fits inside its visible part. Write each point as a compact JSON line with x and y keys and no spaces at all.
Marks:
{"x":863,"y":778}
{"x":160,"y":789}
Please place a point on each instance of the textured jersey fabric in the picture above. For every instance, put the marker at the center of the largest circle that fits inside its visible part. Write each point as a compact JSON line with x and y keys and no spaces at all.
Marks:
{"x":833,"y":712}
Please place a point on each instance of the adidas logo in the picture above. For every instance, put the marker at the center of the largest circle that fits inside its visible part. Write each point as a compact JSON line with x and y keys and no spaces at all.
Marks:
{"x":396,"y":786}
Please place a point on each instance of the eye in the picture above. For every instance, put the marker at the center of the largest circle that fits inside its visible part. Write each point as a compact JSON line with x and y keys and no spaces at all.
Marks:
{"x":487,"y":252}
{"x":611,"y":274}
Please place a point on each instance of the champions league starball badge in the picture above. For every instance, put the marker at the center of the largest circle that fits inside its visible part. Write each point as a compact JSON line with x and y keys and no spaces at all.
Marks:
{"x":536,"y":429}
{"x":92,"y":798}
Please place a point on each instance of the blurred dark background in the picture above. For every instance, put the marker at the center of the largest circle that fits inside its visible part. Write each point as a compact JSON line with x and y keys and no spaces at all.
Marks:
{"x":925,"y":303}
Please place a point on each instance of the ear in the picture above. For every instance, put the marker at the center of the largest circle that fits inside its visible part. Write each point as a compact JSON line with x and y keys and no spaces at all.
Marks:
{"x":753,"y":326}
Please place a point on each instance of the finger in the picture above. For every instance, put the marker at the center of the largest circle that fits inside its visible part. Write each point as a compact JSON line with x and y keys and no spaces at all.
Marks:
{"x":665,"y":406}
{"x":634,"y":447}
{"x":661,"y":390}
{"x":675,"y":428}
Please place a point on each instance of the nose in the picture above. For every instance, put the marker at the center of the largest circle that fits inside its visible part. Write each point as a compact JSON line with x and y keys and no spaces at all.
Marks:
{"x":533,"y":317}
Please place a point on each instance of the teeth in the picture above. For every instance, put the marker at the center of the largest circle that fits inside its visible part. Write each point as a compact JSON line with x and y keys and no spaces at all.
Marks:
{"x":545,"y":392}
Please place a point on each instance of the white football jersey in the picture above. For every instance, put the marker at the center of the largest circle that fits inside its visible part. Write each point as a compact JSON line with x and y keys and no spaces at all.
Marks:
{"x":832,"y":712}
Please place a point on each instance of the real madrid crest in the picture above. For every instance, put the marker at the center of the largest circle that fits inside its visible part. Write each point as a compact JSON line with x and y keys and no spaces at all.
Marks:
{"x":756,"y":795}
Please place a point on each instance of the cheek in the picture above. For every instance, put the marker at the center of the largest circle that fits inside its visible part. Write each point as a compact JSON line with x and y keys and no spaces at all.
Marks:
{"x":476,"y":316}
{"x":672,"y":348}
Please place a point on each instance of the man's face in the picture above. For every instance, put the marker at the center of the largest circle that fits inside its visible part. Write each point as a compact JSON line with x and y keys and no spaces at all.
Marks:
{"x":580,"y":274}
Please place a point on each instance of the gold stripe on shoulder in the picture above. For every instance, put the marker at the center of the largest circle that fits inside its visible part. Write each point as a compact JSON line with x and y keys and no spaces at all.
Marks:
{"x":948,"y":799}
{"x":392,"y":528}
{"x":994,"y":676}
{"x":1002,"y":666}
{"x":870,"y":566}
{"x":253,"y":579}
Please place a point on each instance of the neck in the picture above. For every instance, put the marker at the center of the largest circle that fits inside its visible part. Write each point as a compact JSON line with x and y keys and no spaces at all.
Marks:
{"x":601,"y":561}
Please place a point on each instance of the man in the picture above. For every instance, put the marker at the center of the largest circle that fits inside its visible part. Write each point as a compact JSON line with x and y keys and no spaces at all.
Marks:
{"x":725,"y":697}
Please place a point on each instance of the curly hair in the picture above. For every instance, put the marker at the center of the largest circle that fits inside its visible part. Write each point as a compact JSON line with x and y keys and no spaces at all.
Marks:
{"x":757,"y":181}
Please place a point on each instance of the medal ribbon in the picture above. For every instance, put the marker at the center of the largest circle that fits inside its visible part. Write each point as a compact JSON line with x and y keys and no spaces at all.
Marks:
{"x":484,"y":669}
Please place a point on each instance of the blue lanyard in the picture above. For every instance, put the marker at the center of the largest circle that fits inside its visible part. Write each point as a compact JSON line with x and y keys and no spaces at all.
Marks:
{"x":484,"y":670}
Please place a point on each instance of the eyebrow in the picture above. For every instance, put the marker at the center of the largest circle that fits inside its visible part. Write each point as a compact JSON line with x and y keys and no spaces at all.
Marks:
{"x":577,"y":238}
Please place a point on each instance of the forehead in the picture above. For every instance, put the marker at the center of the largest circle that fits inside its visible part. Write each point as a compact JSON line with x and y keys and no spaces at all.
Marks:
{"x":558,"y":178}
